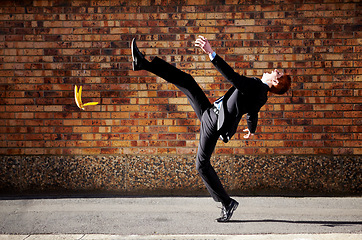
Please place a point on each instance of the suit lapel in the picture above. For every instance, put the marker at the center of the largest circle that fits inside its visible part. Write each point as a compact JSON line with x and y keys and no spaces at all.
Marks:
{"x":223,"y":112}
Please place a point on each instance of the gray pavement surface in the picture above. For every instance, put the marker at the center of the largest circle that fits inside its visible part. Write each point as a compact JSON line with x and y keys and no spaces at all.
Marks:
{"x":180,"y":218}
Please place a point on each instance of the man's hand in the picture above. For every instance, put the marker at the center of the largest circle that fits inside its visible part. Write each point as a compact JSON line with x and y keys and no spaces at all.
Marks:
{"x":248,"y":133}
{"x":204,"y":44}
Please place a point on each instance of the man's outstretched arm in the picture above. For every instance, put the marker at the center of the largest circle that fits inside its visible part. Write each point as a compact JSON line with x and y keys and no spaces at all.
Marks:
{"x":241,"y":82}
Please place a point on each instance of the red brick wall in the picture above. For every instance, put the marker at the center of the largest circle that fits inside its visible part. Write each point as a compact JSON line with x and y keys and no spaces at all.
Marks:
{"x":47,"y":47}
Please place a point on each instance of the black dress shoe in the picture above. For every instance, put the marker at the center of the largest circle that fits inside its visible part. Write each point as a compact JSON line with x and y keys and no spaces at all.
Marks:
{"x":139,"y":60}
{"x":227,"y":212}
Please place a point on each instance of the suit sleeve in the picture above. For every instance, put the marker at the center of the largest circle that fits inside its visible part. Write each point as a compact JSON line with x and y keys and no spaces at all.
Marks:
{"x":242,"y":83}
{"x":252,"y":121}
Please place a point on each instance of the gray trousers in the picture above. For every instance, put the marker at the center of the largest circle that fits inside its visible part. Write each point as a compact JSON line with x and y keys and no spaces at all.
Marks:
{"x":208,"y":129}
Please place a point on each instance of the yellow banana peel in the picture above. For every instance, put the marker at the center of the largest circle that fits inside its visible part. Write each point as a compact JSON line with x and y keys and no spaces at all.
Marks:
{"x":78,"y":98}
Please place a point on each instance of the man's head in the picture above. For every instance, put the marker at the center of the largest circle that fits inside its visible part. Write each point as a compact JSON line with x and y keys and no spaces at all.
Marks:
{"x":277,"y":81}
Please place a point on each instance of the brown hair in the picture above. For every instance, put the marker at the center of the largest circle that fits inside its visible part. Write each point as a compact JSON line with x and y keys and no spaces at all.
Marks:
{"x":283,"y":85}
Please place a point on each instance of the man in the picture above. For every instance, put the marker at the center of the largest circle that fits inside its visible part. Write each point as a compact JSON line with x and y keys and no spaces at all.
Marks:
{"x":220,"y":119}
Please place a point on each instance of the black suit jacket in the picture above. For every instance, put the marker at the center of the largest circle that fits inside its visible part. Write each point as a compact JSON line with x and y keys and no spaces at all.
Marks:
{"x":246,"y":96}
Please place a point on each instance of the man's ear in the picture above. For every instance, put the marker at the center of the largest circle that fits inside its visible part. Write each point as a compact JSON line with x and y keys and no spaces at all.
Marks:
{"x":275,"y":82}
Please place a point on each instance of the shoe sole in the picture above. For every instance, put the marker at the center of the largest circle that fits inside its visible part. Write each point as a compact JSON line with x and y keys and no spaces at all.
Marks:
{"x":133,"y":65}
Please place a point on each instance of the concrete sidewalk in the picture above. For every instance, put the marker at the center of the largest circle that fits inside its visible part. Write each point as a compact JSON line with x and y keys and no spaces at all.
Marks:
{"x":180,"y":218}
{"x":334,"y":236}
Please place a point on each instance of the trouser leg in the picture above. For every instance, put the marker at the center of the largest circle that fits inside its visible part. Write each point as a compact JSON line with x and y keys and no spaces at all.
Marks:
{"x":208,"y":130}
{"x":208,"y":139}
{"x":183,"y":81}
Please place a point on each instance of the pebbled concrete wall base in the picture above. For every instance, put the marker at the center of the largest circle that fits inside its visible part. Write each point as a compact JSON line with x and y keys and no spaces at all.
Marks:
{"x":176,"y":175}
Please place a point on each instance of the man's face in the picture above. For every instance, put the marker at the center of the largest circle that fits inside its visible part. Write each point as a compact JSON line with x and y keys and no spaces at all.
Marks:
{"x":272,"y":78}
{"x":274,"y":75}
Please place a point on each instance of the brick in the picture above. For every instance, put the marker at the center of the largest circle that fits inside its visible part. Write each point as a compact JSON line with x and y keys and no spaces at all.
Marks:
{"x":87,"y":43}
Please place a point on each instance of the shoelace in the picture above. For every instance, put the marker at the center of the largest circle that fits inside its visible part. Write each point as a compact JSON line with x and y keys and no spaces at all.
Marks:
{"x":223,"y":212}
{"x":144,"y":55}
